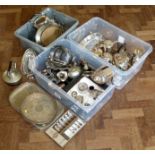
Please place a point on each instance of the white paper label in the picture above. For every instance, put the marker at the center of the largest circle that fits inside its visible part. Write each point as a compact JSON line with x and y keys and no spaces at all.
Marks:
{"x":121,"y":39}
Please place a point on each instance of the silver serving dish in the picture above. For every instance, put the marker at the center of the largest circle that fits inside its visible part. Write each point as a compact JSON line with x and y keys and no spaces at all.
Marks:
{"x":91,"y":40}
{"x":29,"y":55}
{"x":30,"y":95}
{"x":102,"y":75}
{"x":39,"y":108}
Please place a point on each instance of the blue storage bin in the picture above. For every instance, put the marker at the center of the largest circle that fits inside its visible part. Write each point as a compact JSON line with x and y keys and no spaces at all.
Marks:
{"x":26,"y":32}
{"x":112,"y":32}
{"x":86,"y":113}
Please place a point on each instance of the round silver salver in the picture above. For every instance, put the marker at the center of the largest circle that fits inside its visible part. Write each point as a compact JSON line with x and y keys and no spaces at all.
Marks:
{"x":39,"y":108}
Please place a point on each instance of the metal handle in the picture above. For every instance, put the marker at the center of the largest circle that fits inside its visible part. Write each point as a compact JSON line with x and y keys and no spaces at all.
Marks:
{"x":39,"y":20}
{"x":12,"y":66}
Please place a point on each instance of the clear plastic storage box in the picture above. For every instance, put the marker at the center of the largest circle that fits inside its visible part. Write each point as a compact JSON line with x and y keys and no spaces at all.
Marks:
{"x":112,"y":32}
{"x":84,"y":112}
{"x":26,"y":32}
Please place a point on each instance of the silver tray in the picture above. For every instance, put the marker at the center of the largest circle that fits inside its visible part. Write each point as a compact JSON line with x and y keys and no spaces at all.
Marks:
{"x":91,"y":40}
{"x":17,"y":97}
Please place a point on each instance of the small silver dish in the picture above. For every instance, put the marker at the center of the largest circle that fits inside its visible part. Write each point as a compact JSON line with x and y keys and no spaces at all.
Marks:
{"x":28,"y":56}
{"x":91,"y":40}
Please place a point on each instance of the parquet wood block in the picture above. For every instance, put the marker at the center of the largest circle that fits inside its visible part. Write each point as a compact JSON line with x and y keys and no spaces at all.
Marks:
{"x":127,"y":121}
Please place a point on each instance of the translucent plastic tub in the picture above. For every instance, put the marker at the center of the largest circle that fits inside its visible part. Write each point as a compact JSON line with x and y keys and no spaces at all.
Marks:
{"x":112,"y":32}
{"x":60,"y":94}
{"x":26,"y":33}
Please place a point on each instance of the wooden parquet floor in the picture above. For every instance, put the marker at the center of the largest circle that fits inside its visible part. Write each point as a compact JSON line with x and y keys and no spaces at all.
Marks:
{"x":127,"y":121}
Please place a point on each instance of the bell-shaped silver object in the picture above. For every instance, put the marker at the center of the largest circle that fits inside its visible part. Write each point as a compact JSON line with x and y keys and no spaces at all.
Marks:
{"x":137,"y":54}
{"x":74,"y":72}
{"x":12,"y":75}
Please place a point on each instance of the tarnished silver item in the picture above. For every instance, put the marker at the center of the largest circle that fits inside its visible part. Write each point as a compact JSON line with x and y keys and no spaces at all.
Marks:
{"x":38,"y":108}
{"x":61,"y":66}
{"x":74,"y":71}
{"x":35,"y":105}
{"x":87,"y":104}
{"x":113,"y":51}
{"x":28,"y":56}
{"x":60,"y":56}
{"x":94,"y":93}
{"x":107,"y":56}
{"x":77,"y":97}
{"x":85,"y":66}
{"x":62,"y":76}
{"x":108,"y":45}
{"x":57,"y":65}
{"x":74,"y":94}
{"x":138,"y":52}
{"x":63,"y":121}
{"x":104,"y":46}
{"x":50,"y":75}
{"x":102,"y":75}
{"x":12,"y":75}
{"x":122,"y":61}
{"x":56,"y":128}
{"x":91,"y":40}
{"x":98,"y":51}
{"x":82,"y":86}
{"x":39,"y":20}
{"x":47,"y":29}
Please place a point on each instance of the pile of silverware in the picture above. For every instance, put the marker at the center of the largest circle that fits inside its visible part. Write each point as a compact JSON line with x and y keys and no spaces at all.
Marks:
{"x":113,"y":51}
{"x":62,"y":67}
{"x":76,"y":76}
